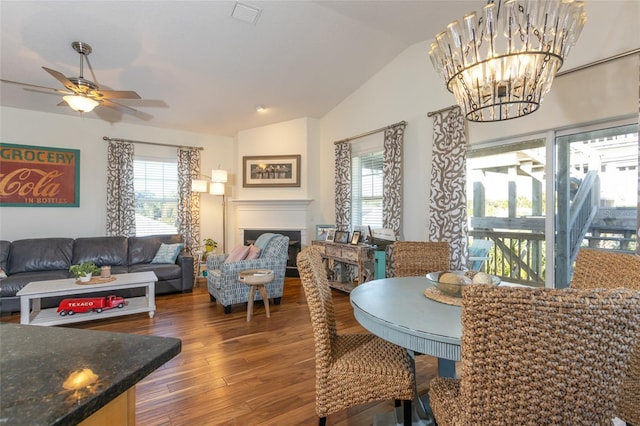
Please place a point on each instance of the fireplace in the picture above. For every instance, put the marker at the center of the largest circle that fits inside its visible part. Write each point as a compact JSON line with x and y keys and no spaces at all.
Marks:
{"x":250,"y":235}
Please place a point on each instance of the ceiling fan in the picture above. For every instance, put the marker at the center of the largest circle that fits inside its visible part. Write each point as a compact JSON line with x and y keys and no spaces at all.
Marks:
{"x":84,"y":95}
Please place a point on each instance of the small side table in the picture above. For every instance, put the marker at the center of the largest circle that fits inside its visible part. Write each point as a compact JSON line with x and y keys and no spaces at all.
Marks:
{"x":256,"y":278}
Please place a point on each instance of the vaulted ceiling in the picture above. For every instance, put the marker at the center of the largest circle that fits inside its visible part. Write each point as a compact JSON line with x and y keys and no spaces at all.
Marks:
{"x":199,"y":69}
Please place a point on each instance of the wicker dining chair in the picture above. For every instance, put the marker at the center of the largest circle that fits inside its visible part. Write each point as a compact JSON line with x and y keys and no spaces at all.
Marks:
{"x":606,"y":269}
{"x":351,"y":369}
{"x":536,"y":356}
{"x":418,"y":258}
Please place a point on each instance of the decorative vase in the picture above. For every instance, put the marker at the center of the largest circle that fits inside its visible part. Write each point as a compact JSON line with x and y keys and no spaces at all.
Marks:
{"x":86,"y":278}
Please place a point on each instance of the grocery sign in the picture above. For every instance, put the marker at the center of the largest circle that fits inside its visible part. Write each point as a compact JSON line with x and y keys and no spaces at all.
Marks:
{"x":34,"y":176}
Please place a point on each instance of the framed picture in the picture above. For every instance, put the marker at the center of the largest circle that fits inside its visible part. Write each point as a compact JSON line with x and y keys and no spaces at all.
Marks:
{"x":355,"y":238}
{"x":271,"y":171}
{"x":322,"y":231}
{"x":341,"y":237}
{"x":39,"y":176}
{"x":331,"y":233}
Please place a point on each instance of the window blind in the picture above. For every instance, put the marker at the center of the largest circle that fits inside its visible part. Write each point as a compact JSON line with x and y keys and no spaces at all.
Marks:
{"x":367,"y":181}
{"x":155,"y":185}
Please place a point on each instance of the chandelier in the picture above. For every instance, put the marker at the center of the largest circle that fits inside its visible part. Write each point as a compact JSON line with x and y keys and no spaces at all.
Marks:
{"x":500,"y":65}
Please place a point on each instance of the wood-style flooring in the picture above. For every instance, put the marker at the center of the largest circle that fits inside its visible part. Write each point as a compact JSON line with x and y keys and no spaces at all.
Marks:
{"x":234,"y":372}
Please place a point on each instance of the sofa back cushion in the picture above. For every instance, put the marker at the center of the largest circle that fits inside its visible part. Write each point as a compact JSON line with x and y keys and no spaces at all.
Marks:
{"x":111,"y":251}
{"x":40,"y":254}
{"x":5,"y":246}
{"x":144,"y":249}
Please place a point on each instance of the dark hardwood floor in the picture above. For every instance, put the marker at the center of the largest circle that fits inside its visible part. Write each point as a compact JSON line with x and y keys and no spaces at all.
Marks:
{"x":231,"y":372}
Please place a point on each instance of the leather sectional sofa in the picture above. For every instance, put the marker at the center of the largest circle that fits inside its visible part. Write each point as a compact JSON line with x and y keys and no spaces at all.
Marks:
{"x":41,"y":259}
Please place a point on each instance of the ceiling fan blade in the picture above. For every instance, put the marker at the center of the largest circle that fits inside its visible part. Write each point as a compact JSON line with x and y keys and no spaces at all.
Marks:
{"x":62,"y":79}
{"x":35,"y":86}
{"x":126,"y":109}
{"x":115,"y":94}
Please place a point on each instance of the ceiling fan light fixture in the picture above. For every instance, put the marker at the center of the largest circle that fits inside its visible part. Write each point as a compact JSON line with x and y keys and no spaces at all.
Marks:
{"x":80,"y":103}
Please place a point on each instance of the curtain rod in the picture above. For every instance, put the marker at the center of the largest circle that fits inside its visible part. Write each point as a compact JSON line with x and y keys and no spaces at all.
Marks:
{"x":429,"y":114}
{"x":371,"y":132}
{"x":600,"y":61}
{"x":578,"y":68}
{"x":107,"y":138}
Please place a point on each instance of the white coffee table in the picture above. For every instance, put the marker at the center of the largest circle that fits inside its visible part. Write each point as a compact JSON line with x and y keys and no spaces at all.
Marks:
{"x":32,"y":293}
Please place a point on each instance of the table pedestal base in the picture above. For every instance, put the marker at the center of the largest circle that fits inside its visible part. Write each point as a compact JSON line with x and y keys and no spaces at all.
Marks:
{"x":396,"y":417}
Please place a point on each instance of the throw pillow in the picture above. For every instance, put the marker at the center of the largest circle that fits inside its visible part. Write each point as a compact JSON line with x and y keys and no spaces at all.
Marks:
{"x":254,"y":253}
{"x":238,"y":253}
{"x":167,"y":253}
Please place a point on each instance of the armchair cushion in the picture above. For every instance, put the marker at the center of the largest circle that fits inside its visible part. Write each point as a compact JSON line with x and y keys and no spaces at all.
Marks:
{"x":254,"y":252}
{"x":237,"y":254}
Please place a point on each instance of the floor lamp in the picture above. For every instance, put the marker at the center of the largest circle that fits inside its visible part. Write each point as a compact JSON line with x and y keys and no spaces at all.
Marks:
{"x":216,"y":187}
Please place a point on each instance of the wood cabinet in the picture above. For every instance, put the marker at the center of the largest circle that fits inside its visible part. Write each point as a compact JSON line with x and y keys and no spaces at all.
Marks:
{"x":347,"y":265}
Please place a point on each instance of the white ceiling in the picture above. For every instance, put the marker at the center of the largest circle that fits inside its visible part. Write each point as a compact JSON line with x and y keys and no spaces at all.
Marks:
{"x":198,"y":69}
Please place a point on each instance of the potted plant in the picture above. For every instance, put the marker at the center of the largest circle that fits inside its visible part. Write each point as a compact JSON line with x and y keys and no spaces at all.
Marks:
{"x":209,"y":244}
{"x":84,"y":271}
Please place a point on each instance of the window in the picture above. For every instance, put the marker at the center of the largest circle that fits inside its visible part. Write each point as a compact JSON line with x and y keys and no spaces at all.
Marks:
{"x":155,"y":184}
{"x":367,"y":182}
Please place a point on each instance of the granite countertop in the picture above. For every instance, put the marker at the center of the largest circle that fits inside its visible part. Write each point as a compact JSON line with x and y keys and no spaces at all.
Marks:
{"x":37,"y":366}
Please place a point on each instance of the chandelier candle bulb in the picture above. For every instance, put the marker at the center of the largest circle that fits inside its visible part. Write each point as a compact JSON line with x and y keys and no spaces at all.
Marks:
{"x":500,"y":65}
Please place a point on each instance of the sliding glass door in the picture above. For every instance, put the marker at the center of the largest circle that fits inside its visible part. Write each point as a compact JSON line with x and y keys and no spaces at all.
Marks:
{"x":597,"y":194}
{"x":538,"y":200}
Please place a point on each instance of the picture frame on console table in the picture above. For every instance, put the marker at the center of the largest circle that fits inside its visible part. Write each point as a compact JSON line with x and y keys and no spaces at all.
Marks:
{"x":322,"y":231}
{"x":331,"y":234}
{"x":341,"y":237}
{"x":355,"y":238}
{"x":271,"y":171}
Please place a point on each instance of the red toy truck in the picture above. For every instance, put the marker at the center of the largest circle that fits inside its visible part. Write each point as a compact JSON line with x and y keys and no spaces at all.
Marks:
{"x":98,"y":304}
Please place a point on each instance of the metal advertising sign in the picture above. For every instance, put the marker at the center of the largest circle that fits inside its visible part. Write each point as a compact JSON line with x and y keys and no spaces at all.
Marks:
{"x":34,"y":176}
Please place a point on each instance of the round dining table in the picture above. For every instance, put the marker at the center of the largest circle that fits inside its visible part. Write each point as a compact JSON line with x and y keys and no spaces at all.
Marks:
{"x":396,"y":310}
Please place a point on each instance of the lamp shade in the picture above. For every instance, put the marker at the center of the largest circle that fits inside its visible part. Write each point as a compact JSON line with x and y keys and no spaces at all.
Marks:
{"x":219,"y":175}
{"x":80,"y":103}
{"x":216,"y":188}
{"x":198,"y":185}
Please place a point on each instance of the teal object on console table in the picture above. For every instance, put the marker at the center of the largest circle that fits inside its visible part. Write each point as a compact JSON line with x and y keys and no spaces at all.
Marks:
{"x":40,"y":365}
{"x":380,"y":259}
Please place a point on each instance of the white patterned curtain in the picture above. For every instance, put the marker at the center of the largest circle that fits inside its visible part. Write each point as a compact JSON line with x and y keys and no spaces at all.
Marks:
{"x":188,"y":201}
{"x":343,"y":185}
{"x":121,"y":203}
{"x":448,"y":199}
{"x":392,"y":178}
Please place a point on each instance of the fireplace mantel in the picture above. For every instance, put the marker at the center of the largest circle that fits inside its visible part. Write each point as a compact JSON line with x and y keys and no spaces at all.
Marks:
{"x":279,"y":214}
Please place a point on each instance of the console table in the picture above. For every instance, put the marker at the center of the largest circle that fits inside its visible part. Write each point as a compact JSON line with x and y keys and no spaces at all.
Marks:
{"x":360,"y":256}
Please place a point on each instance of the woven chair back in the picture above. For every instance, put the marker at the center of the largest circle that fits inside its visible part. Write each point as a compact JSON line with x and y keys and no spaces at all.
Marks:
{"x":318,"y":293}
{"x":545,"y":356}
{"x":418,"y":258}
{"x":607,"y":269}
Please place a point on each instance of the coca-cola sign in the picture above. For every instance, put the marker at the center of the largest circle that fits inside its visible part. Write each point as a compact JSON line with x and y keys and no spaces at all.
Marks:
{"x":39,"y":176}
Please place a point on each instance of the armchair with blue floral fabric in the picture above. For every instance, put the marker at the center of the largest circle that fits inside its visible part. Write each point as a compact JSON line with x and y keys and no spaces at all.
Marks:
{"x":222,"y":277}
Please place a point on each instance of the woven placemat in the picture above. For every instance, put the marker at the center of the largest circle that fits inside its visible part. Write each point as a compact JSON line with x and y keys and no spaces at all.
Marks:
{"x":97,"y":280}
{"x":435,"y":294}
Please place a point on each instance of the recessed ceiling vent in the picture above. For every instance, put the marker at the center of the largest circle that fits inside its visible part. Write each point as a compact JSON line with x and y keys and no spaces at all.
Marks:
{"x":246,"y":13}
